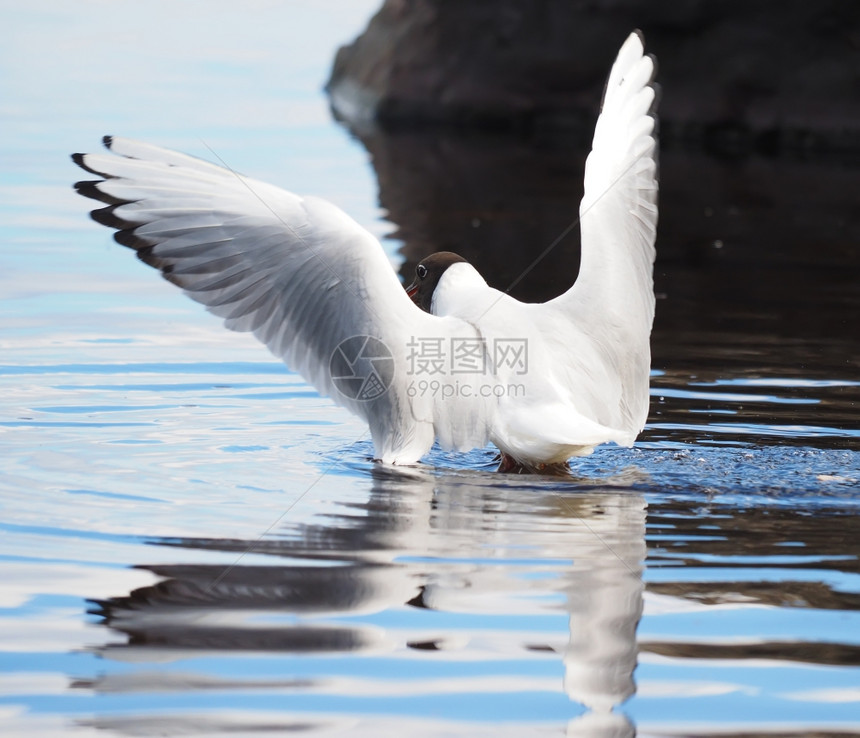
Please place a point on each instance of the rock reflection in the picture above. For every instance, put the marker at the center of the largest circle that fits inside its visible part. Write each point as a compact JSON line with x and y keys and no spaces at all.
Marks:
{"x":765,"y":558}
{"x":463,"y":567}
{"x":497,"y":201}
{"x":759,"y":250}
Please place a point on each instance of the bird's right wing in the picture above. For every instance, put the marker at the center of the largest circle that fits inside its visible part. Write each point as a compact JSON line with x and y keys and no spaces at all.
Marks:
{"x":297,"y":272}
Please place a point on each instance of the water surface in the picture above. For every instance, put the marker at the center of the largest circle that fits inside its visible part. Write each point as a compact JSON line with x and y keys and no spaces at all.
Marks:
{"x":194,"y":542}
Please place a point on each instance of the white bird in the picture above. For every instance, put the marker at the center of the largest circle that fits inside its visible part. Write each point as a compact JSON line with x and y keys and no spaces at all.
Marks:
{"x":542,"y":381}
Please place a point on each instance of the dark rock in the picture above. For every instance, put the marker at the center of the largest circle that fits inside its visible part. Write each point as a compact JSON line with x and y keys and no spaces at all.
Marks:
{"x":758,"y":74}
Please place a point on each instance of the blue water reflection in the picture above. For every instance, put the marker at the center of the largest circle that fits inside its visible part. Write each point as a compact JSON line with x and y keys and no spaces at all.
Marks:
{"x":328,"y":592}
{"x":436,"y":606}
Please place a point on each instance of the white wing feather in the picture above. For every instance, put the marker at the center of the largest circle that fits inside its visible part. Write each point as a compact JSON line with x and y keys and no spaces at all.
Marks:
{"x":295,"y":271}
{"x":611,"y":305}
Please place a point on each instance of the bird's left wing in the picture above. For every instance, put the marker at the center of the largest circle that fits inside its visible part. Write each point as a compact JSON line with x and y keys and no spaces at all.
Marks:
{"x":611,"y":304}
{"x":297,"y":272}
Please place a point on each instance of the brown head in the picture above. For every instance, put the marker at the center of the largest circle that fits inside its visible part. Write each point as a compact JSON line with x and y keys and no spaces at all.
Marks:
{"x":427,"y":275}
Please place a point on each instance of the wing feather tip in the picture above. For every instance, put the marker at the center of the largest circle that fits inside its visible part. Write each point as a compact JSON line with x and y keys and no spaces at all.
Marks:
{"x":81,"y":161}
{"x":128,"y":238}
{"x":107,"y":217}
{"x":90,"y":189}
{"x":639,"y":36}
{"x":87,"y":187}
{"x":145,"y":252}
{"x":654,"y":67}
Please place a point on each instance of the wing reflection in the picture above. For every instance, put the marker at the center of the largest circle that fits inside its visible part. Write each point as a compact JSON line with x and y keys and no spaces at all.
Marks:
{"x":499,"y":583}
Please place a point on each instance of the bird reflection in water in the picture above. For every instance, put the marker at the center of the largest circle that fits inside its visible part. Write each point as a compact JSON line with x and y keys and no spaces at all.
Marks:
{"x":498,"y":556}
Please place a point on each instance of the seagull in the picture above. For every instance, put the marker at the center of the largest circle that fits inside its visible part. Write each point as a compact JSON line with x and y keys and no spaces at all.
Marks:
{"x":449,"y":358}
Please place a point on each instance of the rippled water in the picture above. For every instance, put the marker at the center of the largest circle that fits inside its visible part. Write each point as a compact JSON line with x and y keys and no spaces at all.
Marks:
{"x":194,"y":542}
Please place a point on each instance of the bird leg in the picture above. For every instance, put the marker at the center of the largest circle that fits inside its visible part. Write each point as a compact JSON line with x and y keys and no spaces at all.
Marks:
{"x":509,"y":465}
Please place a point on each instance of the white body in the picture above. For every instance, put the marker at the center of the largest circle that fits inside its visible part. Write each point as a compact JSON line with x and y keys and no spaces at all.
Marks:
{"x":303,"y":277}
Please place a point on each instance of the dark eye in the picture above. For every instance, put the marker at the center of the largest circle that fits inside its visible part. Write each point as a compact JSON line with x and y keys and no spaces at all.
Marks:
{"x":421,"y":271}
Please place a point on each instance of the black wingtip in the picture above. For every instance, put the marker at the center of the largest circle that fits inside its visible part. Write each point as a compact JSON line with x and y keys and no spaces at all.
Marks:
{"x":81,"y":161}
{"x":107,"y":141}
{"x":87,"y":188}
{"x":90,"y":188}
{"x":106,"y":217}
{"x":127,"y":237}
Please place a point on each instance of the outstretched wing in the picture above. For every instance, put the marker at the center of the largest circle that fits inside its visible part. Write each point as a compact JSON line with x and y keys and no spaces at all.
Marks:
{"x":612,"y":301}
{"x":295,"y":271}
